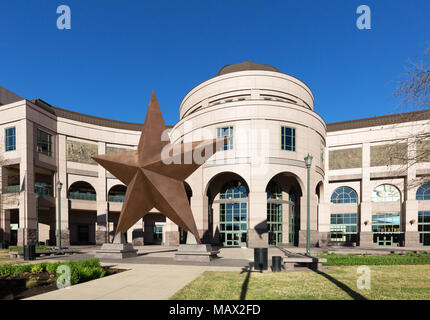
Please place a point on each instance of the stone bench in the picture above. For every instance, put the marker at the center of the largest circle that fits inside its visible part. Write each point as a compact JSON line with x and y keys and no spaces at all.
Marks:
{"x":313,"y":262}
{"x":196,"y":252}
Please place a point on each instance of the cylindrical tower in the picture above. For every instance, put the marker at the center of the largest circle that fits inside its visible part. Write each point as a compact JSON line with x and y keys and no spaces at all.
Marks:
{"x":250,"y":193}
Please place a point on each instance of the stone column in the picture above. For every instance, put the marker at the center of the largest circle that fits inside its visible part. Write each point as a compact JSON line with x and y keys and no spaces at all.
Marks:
{"x":324,"y":223}
{"x":27,"y":198}
{"x":314,"y":234}
{"x":365,"y":206}
{"x":102,"y":204}
{"x":172,"y":234}
{"x":215,"y":222}
{"x":135,"y":234}
{"x":62,"y":177}
{"x":5,"y":224}
{"x":324,"y":213}
{"x":285,"y":219}
{"x":412,"y":236}
{"x":257,"y":220}
{"x":200,"y":216}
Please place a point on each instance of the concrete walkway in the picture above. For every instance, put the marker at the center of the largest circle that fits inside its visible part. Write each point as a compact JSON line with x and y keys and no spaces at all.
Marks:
{"x":140,"y":282}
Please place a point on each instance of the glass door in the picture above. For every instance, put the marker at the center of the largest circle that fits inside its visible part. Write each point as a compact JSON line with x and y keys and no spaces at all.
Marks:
{"x":233,"y":223}
{"x":158,"y":234}
{"x":274,"y":223}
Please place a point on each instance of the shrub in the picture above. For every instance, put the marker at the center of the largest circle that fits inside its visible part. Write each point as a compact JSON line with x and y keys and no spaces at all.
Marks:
{"x":38,"y":248}
{"x":37,"y":268}
{"x":52,"y":267}
{"x":31,"y":283}
{"x":80,"y":271}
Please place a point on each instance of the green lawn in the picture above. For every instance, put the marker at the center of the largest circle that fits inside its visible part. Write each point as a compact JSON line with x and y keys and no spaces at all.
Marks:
{"x":387,"y":282}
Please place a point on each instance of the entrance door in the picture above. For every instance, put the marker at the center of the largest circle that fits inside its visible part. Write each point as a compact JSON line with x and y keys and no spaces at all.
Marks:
{"x":233,"y":223}
{"x":294,"y":225}
{"x":387,"y":239}
{"x":83,"y":233}
{"x":274,"y":223}
{"x":158,"y":234}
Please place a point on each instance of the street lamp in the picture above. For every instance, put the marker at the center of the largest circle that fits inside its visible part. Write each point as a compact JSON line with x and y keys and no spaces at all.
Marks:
{"x":308,"y":162}
{"x":59,"y":185}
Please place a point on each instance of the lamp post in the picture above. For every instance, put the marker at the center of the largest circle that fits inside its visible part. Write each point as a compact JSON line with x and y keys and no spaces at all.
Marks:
{"x":308,"y":162}
{"x":59,"y":185}
{"x":37,"y":218}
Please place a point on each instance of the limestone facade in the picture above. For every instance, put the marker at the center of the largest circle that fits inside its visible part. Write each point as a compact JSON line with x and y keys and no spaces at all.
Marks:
{"x":260,"y":174}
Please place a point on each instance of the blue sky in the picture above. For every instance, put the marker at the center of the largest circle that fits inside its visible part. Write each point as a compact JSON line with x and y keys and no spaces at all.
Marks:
{"x":118,"y":51}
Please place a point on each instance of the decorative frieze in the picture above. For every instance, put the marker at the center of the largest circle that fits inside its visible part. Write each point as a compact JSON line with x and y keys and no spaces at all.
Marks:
{"x":388,"y":154}
{"x":81,"y":152}
{"x":345,"y":159}
{"x":423,"y":151}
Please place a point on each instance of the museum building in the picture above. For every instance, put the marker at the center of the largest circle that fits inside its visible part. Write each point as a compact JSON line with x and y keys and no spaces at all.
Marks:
{"x":366,"y":179}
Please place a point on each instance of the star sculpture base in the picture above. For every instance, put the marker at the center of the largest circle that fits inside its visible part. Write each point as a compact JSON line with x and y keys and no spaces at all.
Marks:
{"x":119,"y":249}
{"x":192,"y":251}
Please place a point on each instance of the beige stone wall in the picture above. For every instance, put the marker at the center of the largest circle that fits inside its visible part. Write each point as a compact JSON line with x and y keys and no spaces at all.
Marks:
{"x":345,"y":158}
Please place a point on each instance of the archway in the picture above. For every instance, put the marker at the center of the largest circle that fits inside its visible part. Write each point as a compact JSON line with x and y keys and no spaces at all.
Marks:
{"x":117,"y":193}
{"x":81,"y":190}
{"x":228,"y":207}
{"x":82,"y":221}
{"x":283,"y":209}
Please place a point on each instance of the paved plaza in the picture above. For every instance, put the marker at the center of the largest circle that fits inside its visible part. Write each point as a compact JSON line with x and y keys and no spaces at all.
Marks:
{"x":155,"y":275}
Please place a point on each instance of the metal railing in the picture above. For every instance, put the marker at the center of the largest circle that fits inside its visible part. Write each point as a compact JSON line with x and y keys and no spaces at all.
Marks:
{"x":117,"y":198}
{"x":11,"y":189}
{"x":43,"y":191}
{"x":82,"y":196}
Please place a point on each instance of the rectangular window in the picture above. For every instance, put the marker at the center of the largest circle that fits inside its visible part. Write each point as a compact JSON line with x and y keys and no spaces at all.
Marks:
{"x":225,"y":132}
{"x":44,"y":143}
{"x":424,"y":227}
{"x":386,"y":222}
{"x":343,"y":227}
{"x":10,"y":139}
{"x":288,"y":138}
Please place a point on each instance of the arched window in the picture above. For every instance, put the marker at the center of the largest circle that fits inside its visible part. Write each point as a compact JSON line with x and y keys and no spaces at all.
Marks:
{"x":233,"y":190}
{"x":386,"y":193}
{"x":423,"y":192}
{"x":344,"y":195}
{"x":233,"y":215}
{"x":82,"y":190}
{"x":117,"y":193}
{"x":274,"y":191}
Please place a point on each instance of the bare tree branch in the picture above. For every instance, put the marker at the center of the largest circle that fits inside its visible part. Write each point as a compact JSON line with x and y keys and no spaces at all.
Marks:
{"x":413,"y":145}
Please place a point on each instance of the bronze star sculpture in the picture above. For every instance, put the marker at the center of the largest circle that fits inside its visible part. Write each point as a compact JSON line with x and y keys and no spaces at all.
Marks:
{"x":152,"y":179}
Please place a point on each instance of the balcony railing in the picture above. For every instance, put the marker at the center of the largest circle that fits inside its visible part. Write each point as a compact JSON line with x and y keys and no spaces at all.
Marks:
{"x":11,"y":189}
{"x":43,"y":191}
{"x":118,"y":198}
{"x":82,"y":196}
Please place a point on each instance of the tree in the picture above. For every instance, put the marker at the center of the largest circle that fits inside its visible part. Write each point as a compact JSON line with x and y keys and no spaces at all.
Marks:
{"x":414,"y":94}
